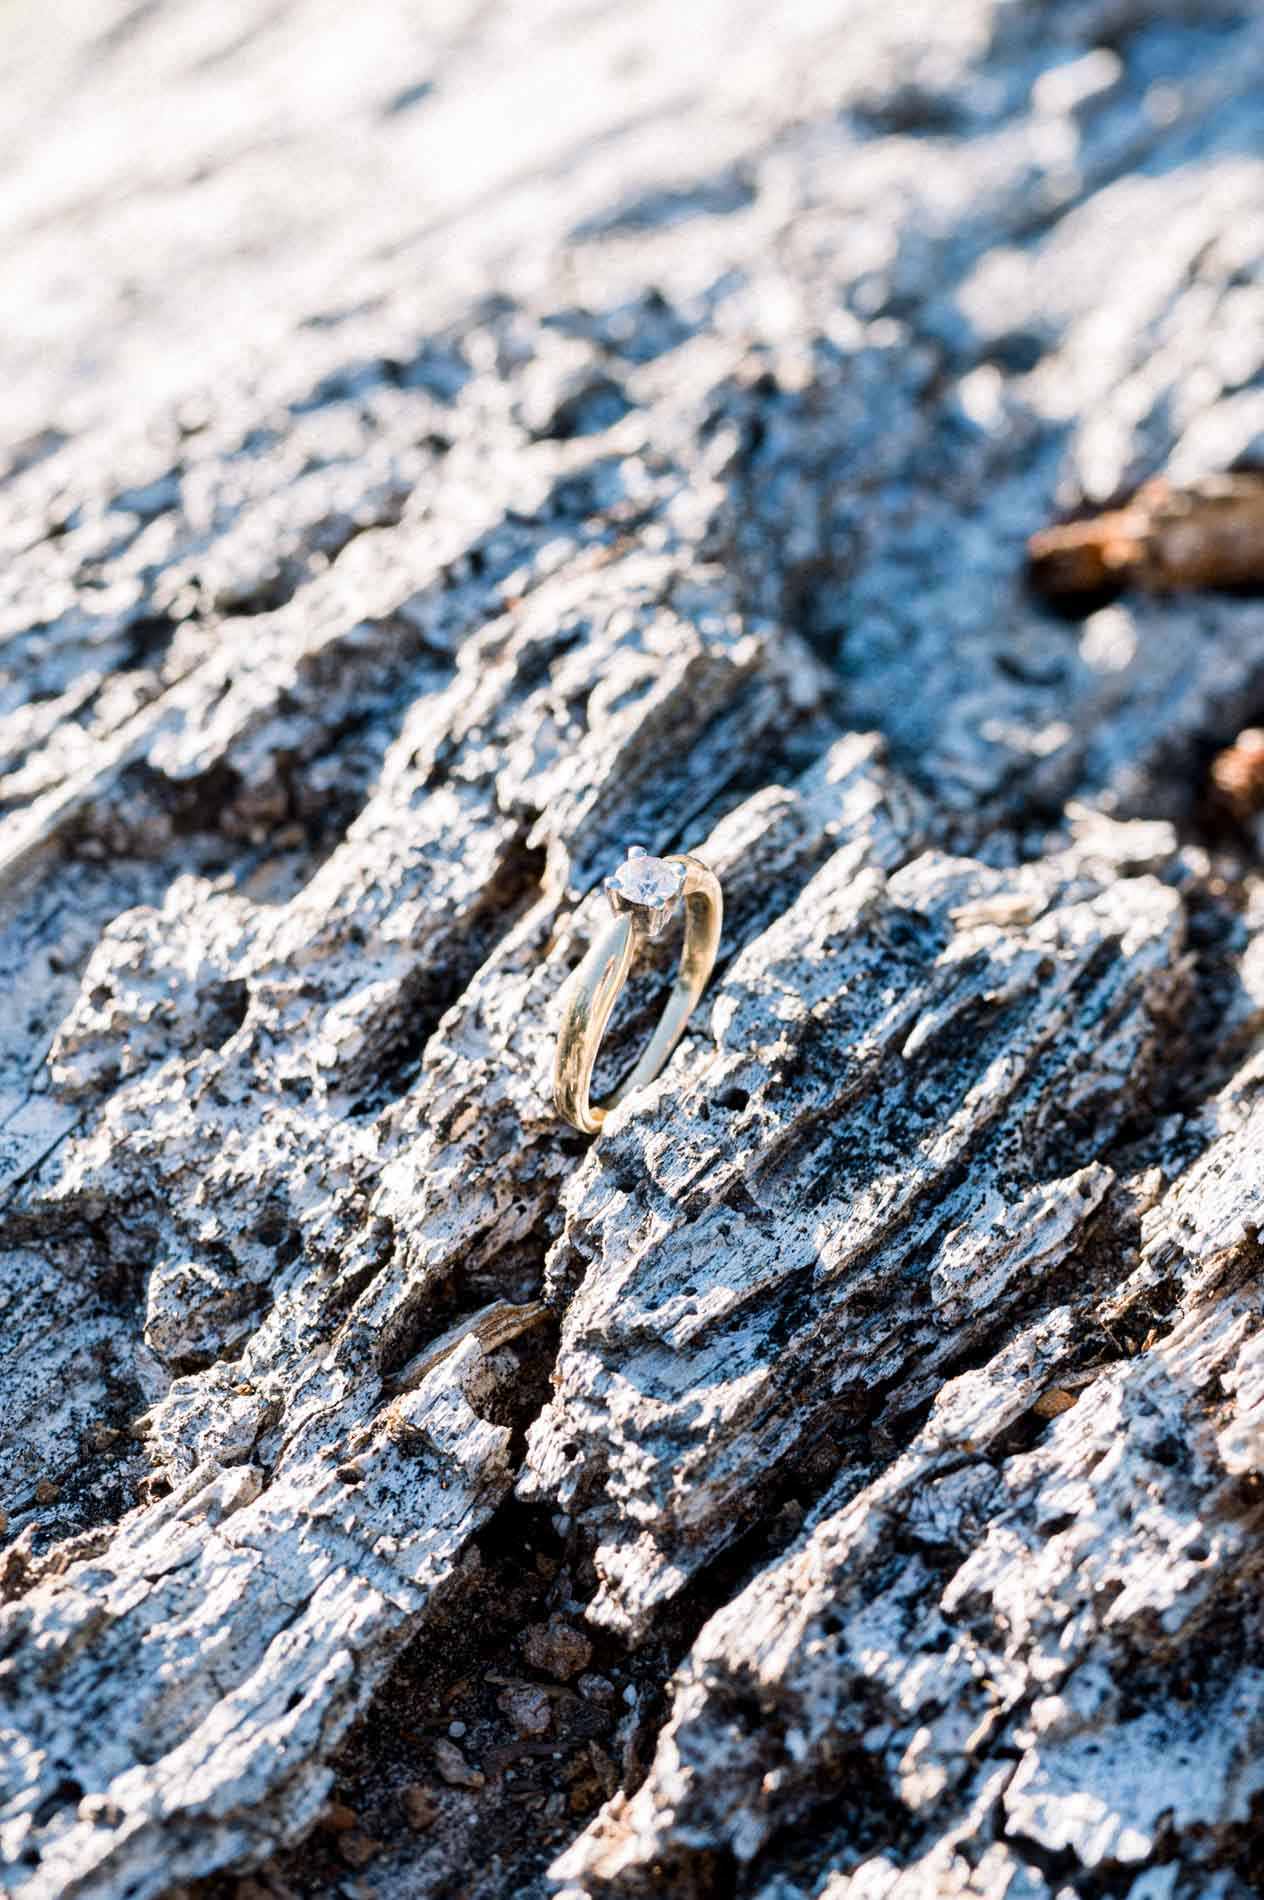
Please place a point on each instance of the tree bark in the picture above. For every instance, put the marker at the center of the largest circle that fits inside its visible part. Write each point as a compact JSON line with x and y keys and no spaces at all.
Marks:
{"x":477,"y":443}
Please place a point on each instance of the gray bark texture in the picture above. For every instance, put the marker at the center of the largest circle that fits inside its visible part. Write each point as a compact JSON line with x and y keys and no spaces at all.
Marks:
{"x":442,"y":446}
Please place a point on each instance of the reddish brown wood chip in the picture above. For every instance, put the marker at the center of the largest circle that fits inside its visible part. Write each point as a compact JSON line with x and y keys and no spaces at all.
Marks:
{"x":1209,"y":535}
{"x":1237,"y":775}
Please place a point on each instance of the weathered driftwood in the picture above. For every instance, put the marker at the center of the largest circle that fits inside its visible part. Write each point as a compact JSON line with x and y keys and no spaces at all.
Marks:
{"x":840,"y":1207}
{"x":841,"y":1481}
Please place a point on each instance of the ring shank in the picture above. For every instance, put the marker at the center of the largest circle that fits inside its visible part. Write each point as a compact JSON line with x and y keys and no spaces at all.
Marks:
{"x":595,"y":986}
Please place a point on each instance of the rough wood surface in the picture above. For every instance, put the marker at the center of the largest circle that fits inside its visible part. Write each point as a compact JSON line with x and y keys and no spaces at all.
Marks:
{"x":470,"y":440}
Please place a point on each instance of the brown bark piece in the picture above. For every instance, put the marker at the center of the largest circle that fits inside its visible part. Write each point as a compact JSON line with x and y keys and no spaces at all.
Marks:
{"x":1167,"y":539}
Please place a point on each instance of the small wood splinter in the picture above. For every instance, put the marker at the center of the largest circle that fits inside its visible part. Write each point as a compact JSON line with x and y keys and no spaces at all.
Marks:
{"x":1237,"y":776}
{"x":1209,"y":535}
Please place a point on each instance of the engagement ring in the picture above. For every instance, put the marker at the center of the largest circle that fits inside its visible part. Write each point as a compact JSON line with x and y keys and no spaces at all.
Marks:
{"x":644,"y":893}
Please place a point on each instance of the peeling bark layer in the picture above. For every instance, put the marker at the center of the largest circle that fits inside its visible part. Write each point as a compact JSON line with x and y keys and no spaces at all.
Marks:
{"x":478,"y":442}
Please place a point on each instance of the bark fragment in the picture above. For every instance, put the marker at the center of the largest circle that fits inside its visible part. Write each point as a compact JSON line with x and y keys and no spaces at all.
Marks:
{"x":1166,"y":539}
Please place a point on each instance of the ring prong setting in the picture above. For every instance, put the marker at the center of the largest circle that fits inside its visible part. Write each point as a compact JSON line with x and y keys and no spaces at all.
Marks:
{"x":648,"y":887}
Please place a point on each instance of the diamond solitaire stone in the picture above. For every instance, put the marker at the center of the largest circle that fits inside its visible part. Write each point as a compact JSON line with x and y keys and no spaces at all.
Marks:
{"x":646,"y":881}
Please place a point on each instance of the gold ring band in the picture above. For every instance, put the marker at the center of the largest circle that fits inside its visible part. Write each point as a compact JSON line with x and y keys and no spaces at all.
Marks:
{"x":643,"y":893}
